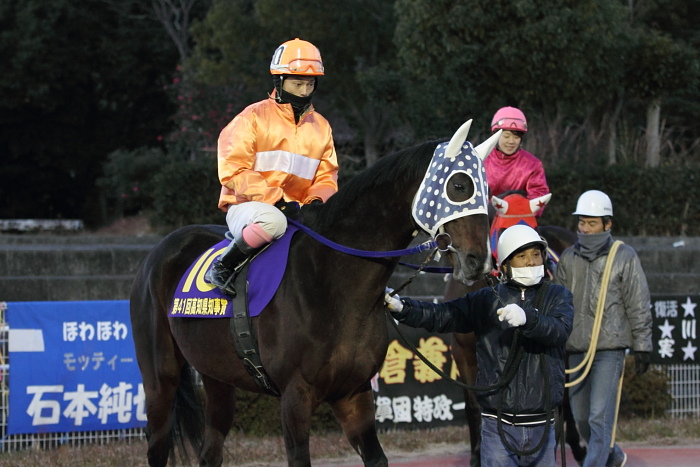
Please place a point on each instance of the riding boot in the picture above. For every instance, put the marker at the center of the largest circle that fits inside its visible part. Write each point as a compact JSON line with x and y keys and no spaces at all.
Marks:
{"x":223,"y":271}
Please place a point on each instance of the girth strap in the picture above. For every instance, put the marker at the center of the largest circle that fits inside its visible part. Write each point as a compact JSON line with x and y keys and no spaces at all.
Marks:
{"x":243,"y":338}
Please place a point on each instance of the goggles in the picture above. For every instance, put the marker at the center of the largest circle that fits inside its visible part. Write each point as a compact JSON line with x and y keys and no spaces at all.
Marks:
{"x":506,"y":123}
{"x":301,"y":65}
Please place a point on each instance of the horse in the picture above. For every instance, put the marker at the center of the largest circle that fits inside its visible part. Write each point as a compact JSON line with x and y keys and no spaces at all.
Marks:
{"x":509,"y":208}
{"x":324,"y":334}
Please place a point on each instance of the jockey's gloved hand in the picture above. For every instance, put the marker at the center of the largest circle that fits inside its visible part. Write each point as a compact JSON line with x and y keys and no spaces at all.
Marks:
{"x":288,"y":208}
{"x":641,"y":362}
{"x":393,"y":302}
{"x":512,"y":314}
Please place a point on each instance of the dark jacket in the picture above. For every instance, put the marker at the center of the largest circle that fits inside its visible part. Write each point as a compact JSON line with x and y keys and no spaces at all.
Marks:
{"x":545,"y":331}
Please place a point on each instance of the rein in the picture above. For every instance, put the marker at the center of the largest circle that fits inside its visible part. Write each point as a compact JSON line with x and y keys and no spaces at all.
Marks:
{"x":428,"y":245}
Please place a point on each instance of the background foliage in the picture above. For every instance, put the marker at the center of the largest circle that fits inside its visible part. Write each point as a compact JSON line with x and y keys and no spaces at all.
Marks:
{"x":99,"y":98}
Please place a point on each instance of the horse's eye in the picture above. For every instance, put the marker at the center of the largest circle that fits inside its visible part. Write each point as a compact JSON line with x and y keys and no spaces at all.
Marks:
{"x":460,"y":187}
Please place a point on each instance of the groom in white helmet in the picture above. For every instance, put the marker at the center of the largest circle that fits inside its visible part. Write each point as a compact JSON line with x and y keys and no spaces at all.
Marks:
{"x":527,"y":380}
{"x":626,"y":323}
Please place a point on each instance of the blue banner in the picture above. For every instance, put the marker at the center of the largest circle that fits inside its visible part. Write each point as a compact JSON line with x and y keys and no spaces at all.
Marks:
{"x":72,"y":368}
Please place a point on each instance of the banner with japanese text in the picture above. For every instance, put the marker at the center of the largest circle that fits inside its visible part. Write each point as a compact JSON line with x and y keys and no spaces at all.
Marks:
{"x":408,"y":393}
{"x":73,"y":367}
{"x":674,"y":333}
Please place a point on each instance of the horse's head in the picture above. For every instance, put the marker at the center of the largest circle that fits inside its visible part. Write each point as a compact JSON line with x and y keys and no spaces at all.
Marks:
{"x":451,"y":204}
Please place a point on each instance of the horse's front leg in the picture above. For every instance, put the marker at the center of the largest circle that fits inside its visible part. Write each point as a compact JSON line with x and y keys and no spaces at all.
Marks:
{"x":356,"y":416}
{"x":218,"y":418}
{"x":298,"y":406}
{"x":464,"y":353}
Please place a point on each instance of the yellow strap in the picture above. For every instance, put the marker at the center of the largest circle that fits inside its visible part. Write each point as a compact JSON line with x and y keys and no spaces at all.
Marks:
{"x":590,"y":354}
{"x":617,"y":406}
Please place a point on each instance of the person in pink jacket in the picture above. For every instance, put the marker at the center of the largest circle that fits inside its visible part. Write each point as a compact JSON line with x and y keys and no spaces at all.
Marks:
{"x":273,"y":157}
{"x":509,"y":167}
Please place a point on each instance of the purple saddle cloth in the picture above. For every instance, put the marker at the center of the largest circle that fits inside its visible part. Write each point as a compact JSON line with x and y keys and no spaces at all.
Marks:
{"x":195,"y":297}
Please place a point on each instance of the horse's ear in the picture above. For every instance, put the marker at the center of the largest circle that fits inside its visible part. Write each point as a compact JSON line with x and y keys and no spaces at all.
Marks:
{"x":501,"y":205}
{"x":457,"y":140}
{"x":487,"y":146}
{"x":538,"y":203}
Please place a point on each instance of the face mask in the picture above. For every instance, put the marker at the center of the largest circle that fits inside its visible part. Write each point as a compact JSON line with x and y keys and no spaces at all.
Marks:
{"x":527,"y":276}
{"x":592,"y":244}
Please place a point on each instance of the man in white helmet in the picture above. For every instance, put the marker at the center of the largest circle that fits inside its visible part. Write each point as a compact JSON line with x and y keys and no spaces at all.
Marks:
{"x":273,"y":157}
{"x":523,"y":307}
{"x":626,"y":323}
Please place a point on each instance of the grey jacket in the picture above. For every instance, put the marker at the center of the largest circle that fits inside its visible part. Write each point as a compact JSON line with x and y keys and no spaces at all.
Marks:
{"x":627,"y":314}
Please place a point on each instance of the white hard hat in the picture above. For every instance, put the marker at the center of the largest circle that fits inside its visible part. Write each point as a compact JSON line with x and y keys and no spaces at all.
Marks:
{"x":516,"y":237}
{"x":593,"y":203}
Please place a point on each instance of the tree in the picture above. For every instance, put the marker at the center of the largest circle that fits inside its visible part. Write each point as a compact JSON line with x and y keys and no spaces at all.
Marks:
{"x":175,"y":17}
{"x":660,"y":62}
{"x":80,"y":80}
{"x":236,"y":40}
{"x":551,"y":57}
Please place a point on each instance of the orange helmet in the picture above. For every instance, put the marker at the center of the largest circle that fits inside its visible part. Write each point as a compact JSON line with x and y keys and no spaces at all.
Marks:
{"x":297,"y":57}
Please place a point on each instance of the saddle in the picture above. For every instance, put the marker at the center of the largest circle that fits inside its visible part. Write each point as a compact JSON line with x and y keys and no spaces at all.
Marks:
{"x":256,"y":285}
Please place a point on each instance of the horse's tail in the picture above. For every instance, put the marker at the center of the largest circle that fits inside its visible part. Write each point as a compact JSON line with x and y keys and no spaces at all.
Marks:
{"x":187,"y":417}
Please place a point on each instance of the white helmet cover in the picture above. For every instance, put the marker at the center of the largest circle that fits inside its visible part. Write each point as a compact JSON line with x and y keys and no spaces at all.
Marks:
{"x":593,"y":203}
{"x":516,"y":237}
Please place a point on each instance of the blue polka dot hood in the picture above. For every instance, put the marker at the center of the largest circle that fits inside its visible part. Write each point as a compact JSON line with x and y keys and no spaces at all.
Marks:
{"x":432,"y":207}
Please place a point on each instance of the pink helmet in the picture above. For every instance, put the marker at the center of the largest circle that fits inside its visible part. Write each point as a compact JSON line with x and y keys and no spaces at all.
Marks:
{"x":509,"y":118}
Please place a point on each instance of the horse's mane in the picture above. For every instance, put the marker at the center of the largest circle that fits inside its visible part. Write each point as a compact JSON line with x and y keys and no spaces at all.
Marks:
{"x":398,"y":168}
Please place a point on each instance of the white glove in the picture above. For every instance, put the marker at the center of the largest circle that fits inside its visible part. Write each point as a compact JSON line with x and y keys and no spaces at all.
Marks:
{"x":513,"y":314}
{"x":393,"y":302}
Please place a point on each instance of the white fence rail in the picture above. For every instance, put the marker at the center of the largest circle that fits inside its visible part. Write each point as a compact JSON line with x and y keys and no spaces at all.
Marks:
{"x":685,"y":389}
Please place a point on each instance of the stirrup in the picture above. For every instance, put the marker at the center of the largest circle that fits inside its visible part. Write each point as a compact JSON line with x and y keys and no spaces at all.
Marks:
{"x":228,"y":288}
{"x":225,"y":286}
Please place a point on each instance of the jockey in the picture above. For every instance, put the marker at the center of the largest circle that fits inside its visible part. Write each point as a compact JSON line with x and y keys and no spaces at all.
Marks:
{"x":274,"y":156}
{"x":509,"y":167}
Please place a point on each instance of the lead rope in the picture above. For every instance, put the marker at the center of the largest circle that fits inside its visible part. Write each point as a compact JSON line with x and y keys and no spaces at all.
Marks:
{"x":412,"y":276}
{"x":590,"y":354}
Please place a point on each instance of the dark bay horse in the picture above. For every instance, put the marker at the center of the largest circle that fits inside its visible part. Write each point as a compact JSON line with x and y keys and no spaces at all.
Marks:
{"x":510,"y":208}
{"x":323,"y":335}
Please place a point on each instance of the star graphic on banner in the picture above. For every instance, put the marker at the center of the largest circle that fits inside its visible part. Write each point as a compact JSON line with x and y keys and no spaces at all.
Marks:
{"x":689,"y":308}
{"x":666,"y":330}
{"x":689,"y":351}
{"x":500,"y":206}
{"x":541,"y":204}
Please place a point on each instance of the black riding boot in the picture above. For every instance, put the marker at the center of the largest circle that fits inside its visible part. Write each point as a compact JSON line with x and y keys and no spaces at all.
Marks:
{"x":224,"y":271}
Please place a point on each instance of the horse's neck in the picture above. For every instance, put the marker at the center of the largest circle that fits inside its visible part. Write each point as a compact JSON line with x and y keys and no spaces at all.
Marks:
{"x":379,"y":220}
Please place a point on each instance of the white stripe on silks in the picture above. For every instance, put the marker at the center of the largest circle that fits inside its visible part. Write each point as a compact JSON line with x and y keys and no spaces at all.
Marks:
{"x":288,"y":162}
